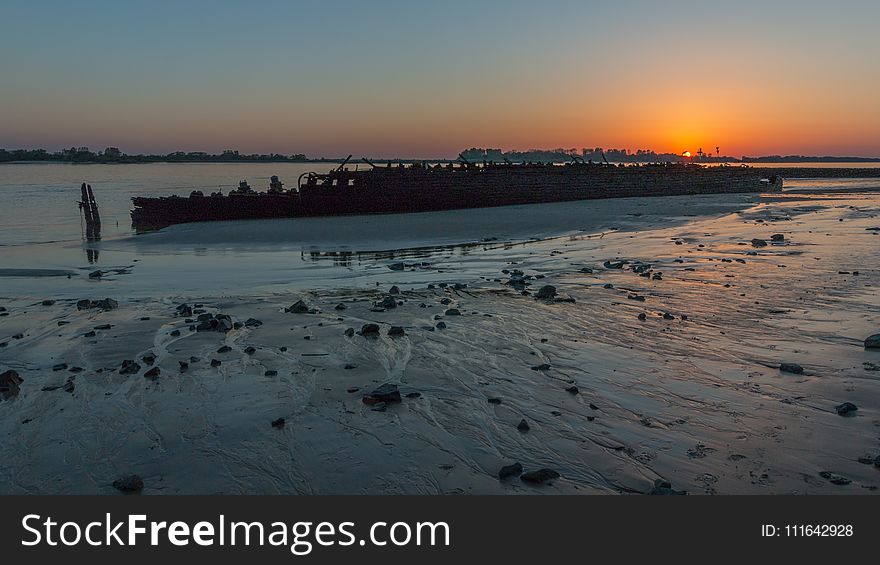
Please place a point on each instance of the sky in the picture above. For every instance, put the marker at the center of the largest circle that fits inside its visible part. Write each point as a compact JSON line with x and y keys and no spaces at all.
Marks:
{"x":389,"y":78}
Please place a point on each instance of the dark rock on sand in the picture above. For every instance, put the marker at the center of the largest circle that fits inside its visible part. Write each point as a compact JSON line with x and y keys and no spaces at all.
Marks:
{"x":759,"y":243}
{"x":872,"y":342}
{"x":59,"y":367}
{"x":340,"y":306}
{"x":183,"y":366}
{"x":149,"y":358}
{"x":396,"y":331}
{"x":540,"y":476}
{"x":105,"y":304}
{"x":298,"y":307}
{"x":10,"y":384}
{"x":453,"y":312}
{"x":509,"y":471}
{"x":523,"y":426}
{"x":573,"y":390}
{"x":386,"y":393}
{"x":349,"y":332}
{"x":413,"y":395}
{"x":252,"y":323}
{"x":396,"y":266}
{"x":777,"y":237}
{"x":370,"y":330}
{"x":152,"y":373}
{"x":495,"y":401}
{"x":47,"y":302}
{"x":250,"y":350}
{"x":608,"y":285}
{"x":546,"y":292}
{"x":834,"y":478}
{"x":662,"y":488}
{"x":643,"y":316}
{"x":387,"y":302}
{"x":175,"y":333}
{"x":441,"y":325}
{"x":394,"y":290}
{"x":542,"y":367}
{"x":846,"y":409}
{"x":224,"y":349}
{"x":279,"y":423}
{"x":129,"y":367}
{"x":270,"y":373}
{"x":96,"y":274}
{"x":791,"y":368}
{"x":216,"y":362}
{"x":130,"y":484}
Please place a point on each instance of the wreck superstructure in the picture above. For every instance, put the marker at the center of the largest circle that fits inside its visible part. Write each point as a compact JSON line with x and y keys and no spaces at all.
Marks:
{"x":395,"y":189}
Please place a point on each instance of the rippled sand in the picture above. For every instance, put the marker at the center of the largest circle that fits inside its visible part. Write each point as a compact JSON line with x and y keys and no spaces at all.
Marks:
{"x":696,"y":400}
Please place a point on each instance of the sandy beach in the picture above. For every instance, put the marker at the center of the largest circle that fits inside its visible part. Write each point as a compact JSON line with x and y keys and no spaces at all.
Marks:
{"x":617,"y":343}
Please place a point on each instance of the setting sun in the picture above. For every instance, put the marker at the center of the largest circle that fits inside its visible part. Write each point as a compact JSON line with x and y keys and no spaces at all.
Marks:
{"x":686,"y":154}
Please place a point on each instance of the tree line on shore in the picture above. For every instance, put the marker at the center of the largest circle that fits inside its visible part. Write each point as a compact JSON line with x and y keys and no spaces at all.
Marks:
{"x":474,"y":154}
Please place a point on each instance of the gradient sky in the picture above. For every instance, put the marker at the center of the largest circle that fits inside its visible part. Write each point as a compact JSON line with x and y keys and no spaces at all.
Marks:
{"x":394,"y":78}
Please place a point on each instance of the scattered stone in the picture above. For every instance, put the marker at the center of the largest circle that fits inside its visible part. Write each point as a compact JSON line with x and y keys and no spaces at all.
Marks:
{"x":453,"y":312}
{"x":540,"y":476}
{"x":279,"y":423}
{"x":608,"y":285}
{"x":103,"y":327}
{"x":777,"y":237}
{"x":349,"y":332}
{"x":664,"y":488}
{"x":546,"y":292}
{"x":152,"y":373}
{"x":643,"y":316}
{"x":791,"y":368}
{"x":60,"y":367}
{"x":183,"y":366}
{"x":96,"y":274}
{"x":523,"y":426}
{"x":396,"y":331}
{"x":834,"y":478}
{"x":872,"y":342}
{"x":542,"y":367}
{"x":573,"y":390}
{"x":220,"y":323}
{"x":175,"y":333}
{"x":846,"y":409}
{"x":47,"y":302}
{"x":129,"y":367}
{"x":69,"y":386}
{"x":252,"y":323}
{"x":441,"y":325}
{"x":379,"y":407}
{"x":614,"y":264}
{"x":414,"y":395}
{"x":386,"y":393}
{"x":298,"y":307}
{"x":668,"y":316}
{"x":759,"y":243}
{"x":149,"y":358}
{"x":250,"y":350}
{"x":387,"y":302}
{"x":495,"y":401}
{"x":396,"y":266}
{"x":224,"y":349}
{"x":349,"y":367}
{"x":394,"y":290}
{"x":370,"y":330}
{"x":340,"y":306}
{"x":105,"y":304}
{"x":509,"y":471}
{"x":270,"y":373}
{"x":10,"y":384}
{"x":216,"y":362}
{"x":130,"y":484}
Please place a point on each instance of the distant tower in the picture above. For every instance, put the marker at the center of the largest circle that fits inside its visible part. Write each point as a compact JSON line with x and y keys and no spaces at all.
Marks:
{"x":717,"y":151}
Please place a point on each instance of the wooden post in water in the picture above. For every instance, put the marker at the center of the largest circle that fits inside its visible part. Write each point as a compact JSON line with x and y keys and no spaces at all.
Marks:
{"x":89,"y":207}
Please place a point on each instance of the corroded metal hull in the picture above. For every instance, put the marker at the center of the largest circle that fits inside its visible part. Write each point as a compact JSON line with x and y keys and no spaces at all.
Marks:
{"x":391,"y":190}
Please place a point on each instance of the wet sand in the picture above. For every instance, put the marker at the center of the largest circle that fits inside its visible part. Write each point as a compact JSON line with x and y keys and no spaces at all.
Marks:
{"x":692,"y":394}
